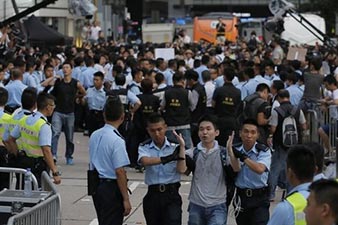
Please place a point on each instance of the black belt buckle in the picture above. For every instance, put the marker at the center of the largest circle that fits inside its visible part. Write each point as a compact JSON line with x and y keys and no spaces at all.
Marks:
{"x":162,"y":188}
{"x":248,"y":193}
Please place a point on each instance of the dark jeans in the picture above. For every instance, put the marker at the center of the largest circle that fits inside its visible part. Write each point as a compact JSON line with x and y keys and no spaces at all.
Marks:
{"x":108,"y":203}
{"x":65,"y":122}
{"x":163,"y":208}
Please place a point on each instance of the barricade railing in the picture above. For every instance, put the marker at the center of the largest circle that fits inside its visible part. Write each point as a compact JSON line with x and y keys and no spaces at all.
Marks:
{"x":16,"y":176}
{"x":47,"y":208}
{"x":45,"y":213}
{"x":313,"y":124}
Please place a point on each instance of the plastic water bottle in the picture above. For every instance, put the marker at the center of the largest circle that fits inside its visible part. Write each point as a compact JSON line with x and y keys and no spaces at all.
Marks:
{"x":28,"y":183}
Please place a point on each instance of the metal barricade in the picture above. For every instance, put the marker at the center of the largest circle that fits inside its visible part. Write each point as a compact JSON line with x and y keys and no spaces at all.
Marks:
{"x":44,"y":213}
{"x":47,"y":211}
{"x":313,"y":124}
{"x":16,"y":176}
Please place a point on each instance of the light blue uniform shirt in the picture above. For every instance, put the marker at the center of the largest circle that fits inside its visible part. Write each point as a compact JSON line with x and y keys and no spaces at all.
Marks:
{"x":107,"y":151}
{"x":159,"y":174}
{"x":87,"y":77}
{"x":219,"y":81}
{"x":45,"y":133}
{"x":199,"y":70}
{"x":15,"y":89}
{"x":168,"y":75}
{"x":296,"y":94}
{"x":95,"y":98}
{"x":76,"y":73}
{"x":247,"y":178}
{"x":134,"y":87}
{"x":284,"y":213}
{"x":272,"y":77}
{"x":17,"y":116}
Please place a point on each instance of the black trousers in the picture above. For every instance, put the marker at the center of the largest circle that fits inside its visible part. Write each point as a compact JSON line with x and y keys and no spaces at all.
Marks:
{"x":95,"y":121}
{"x":163,"y":208}
{"x":4,"y":177}
{"x":255,"y":210}
{"x":108,"y":203}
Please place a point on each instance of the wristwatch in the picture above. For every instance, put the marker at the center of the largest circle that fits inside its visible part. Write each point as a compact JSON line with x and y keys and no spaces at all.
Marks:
{"x":56,"y":174}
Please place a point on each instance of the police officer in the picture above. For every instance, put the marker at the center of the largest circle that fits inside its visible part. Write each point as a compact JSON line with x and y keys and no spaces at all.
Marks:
{"x":111,"y":199}
{"x":199,"y":98}
{"x":129,"y":100}
{"x":36,"y":135}
{"x":28,"y":101}
{"x":15,"y":89}
{"x":252,"y":198}
{"x":95,"y":98}
{"x":150,"y":104}
{"x":301,"y":168}
{"x":322,"y":204}
{"x":162,"y":203}
{"x":4,"y":119}
{"x":177,"y":105}
{"x":225,"y":102}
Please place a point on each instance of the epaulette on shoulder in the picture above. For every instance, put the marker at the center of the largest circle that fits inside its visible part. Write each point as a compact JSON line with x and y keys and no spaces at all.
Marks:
{"x":43,"y":118}
{"x":173,"y":142}
{"x":237,"y":145}
{"x":261,"y":147}
{"x":146,"y":142}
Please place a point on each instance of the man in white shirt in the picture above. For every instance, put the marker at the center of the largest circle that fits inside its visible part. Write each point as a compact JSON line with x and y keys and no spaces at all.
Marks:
{"x":94,"y":31}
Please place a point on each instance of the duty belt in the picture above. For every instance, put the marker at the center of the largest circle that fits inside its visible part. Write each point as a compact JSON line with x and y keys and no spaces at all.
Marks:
{"x":248,"y":192}
{"x":164,"y":187}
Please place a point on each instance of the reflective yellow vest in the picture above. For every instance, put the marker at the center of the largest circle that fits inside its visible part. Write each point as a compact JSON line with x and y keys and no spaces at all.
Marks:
{"x":298,"y":203}
{"x":4,"y":120}
{"x":11,"y":124}
{"x":30,"y":137}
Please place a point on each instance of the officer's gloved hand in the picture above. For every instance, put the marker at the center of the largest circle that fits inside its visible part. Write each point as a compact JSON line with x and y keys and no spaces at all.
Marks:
{"x":240,"y":155}
{"x":172,"y":157}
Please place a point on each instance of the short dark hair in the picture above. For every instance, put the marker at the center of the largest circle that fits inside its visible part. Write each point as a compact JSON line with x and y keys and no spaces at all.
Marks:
{"x":205,"y":59}
{"x":29,"y":97}
{"x":159,"y":78}
{"x":249,"y":72}
{"x":326,"y":191}
{"x":262,"y":87}
{"x":206,"y":75}
{"x":251,"y":122}
{"x":283,"y":93}
{"x":316,"y":62}
{"x":68,"y":62}
{"x":318,"y":151}
{"x":44,"y":99}
{"x":113,"y":108}
{"x":16,"y":74}
{"x":3,"y":96}
{"x":302,"y":162}
{"x":278,"y":85}
{"x":99,"y":74}
{"x":209,"y":118}
{"x":191,"y":75}
{"x":293,"y":76}
{"x":177,"y":77}
{"x":229,"y":73}
{"x":135,"y":71}
{"x":120,"y":79}
{"x":155,"y":118}
{"x":330,"y":79}
{"x":147,"y":85}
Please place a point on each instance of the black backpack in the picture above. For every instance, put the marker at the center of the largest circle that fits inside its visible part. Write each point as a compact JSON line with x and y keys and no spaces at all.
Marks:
{"x":248,"y":108}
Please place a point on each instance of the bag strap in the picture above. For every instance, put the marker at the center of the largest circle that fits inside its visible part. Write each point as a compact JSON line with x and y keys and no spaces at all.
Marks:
{"x":280,"y":111}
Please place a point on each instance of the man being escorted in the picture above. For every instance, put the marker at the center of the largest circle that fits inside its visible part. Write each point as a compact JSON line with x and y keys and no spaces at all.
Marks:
{"x":301,"y":167}
{"x":252,"y":198}
{"x":322,"y":204}
{"x":164,"y":162}
{"x":108,"y":155}
{"x":208,"y":193}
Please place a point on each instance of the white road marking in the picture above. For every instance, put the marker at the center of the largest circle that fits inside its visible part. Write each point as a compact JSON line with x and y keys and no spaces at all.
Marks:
{"x":94,"y":222}
{"x":134,"y":185}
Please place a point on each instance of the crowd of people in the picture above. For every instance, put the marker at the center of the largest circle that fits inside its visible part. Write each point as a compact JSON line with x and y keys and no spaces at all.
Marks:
{"x":232,"y":114}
